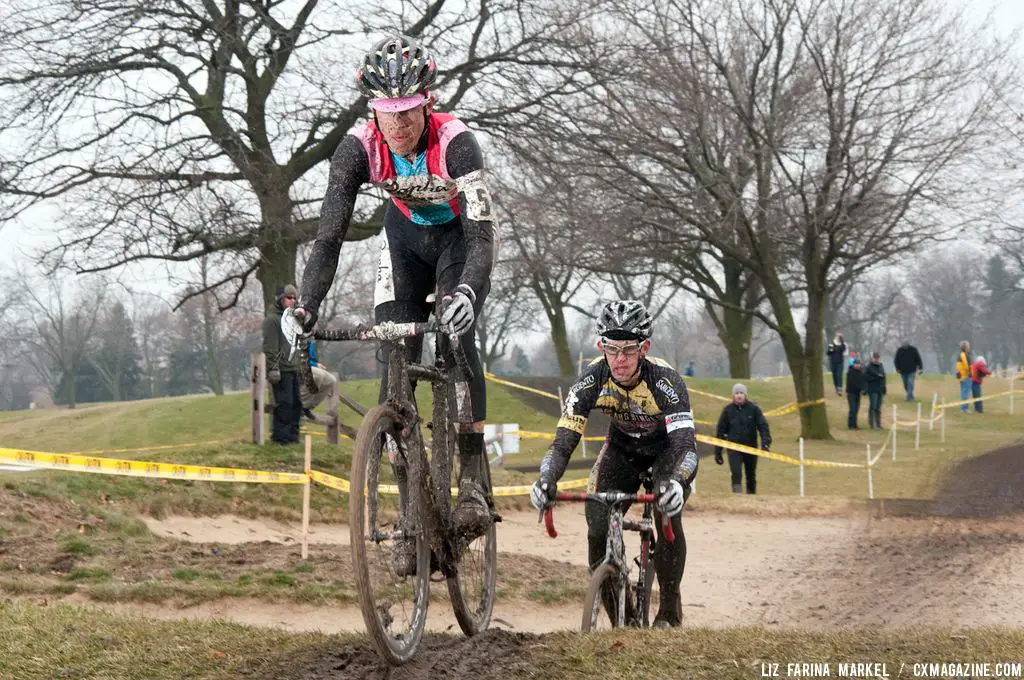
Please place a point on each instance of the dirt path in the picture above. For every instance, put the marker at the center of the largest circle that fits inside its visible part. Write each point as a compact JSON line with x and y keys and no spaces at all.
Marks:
{"x":741,"y":570}
{"x":728,"y":579}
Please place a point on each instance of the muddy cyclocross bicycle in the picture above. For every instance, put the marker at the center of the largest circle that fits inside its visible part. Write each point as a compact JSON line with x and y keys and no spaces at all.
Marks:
{"x":612,"y":601}
{"x":401,"y":496}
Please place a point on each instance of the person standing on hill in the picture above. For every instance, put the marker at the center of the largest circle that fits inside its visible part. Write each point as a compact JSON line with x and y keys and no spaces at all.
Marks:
{"x":874,"y":385}
{"x":282,"y":371}
{"x":836,"y":351}
{"x":854,"y":387}
{"x":964,"y":363}
{"x":978,"y":373}
{"x":908,"y":364}
{"x":740,"y":422}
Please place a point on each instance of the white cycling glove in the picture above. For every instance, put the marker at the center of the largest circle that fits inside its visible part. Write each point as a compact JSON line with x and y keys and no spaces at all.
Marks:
{"x":542,"y":494}
{"x":458,"y":312}
{"x":670,"y":500}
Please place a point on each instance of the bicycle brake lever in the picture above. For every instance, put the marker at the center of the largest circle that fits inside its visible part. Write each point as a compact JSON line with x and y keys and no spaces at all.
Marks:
{"x":666,"y":524}
{"x":549,"y":522}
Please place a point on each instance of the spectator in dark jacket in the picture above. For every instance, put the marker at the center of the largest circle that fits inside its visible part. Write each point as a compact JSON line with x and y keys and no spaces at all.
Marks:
{"x":908,"y":364}
{"x":836,"y":351}
{"x":854,"y":386}
{"x":740,"y":423}
{"x":874,"y":385}
{"x":282,"y":371}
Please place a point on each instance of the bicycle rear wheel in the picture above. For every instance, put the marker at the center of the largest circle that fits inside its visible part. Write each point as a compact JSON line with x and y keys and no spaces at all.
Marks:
{"x":601,"y":607}
{"x":393,"y":603}
{"x":472,"y":587}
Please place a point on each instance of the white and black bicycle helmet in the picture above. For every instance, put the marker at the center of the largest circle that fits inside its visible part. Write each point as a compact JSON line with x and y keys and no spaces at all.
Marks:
{"x":624,"y":320}
{"x":396,"y":67}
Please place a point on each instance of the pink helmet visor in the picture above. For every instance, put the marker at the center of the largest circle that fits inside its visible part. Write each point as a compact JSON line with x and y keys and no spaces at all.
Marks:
{"x":399,"y":103}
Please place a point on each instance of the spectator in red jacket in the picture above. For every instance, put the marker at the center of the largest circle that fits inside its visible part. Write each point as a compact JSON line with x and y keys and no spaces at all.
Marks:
{"x":978,"y":373}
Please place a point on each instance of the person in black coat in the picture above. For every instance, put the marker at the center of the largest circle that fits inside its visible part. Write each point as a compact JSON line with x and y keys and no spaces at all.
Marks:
{"x":874,"y":385}
{"x":908,"y":364}
{"x":740,"y":422}
{"x":854,"y":386}
{"x":835,"y":352}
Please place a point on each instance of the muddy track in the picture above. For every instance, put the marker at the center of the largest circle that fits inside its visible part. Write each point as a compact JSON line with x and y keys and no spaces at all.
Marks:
{"x":493,"y":655}
{"x":987,"y":486}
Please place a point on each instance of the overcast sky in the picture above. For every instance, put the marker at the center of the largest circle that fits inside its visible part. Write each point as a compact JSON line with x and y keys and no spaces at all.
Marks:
{"x":18,"y":241}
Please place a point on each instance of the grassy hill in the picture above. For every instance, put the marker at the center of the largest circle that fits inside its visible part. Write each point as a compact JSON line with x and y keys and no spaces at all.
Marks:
{"x":214,"y":430}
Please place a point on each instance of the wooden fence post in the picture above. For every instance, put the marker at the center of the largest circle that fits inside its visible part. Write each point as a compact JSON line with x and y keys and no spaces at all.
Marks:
{"x":259,"y":393}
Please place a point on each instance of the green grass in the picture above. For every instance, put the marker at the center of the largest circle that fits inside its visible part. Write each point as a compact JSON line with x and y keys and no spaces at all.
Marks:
{"x":162,"y":422}
{"x":45,"y":642}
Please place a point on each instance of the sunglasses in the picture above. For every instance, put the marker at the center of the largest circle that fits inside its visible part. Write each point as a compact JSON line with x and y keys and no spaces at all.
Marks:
{"x":629,"y":351}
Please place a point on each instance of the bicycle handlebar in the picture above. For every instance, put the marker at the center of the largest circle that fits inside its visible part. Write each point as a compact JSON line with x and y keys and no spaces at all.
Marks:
{"x":610,"y":498}
{"x":388,"y":331}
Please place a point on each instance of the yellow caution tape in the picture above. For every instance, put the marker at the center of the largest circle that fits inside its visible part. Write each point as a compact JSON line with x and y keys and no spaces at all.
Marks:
{"x":495,"y":379}
{"x":792,"y":407}
{"x":137,"y":468}
{"x":333,"y":482}
{"x":344,"y":486}
{"x":498,"y":380}
{"x":782,"y":458}
{"x":971,"y":401}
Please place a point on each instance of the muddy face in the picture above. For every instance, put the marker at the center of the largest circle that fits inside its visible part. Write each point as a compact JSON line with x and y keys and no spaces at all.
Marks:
{"x":402,"y":130}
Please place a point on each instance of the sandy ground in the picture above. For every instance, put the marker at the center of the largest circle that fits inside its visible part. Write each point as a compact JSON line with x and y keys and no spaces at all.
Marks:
{"x":741,"y":570}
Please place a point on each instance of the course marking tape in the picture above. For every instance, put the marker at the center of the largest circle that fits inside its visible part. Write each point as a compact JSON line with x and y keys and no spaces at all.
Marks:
{"x":137,"y":468}
{"x":345,"y":486}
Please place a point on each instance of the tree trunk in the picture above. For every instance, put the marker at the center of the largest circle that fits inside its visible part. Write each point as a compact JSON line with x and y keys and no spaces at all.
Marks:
{"x":212,"y":365}
{"x":72,"y":369}
{"x":805,"y":363}
{"x":278,"y":248}
{"x":735,"y":328}
{"x":560,"y":338}
{"x":737,"y":344}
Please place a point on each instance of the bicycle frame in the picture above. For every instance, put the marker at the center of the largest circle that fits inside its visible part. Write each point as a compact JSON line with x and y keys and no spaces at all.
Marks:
{"x":615,"y":548}
{"x":436,"y":511}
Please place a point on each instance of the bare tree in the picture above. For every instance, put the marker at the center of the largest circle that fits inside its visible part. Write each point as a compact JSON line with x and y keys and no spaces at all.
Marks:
{"x":808,"y":140}
{"x":211,"y":343}
{"x":176,"y":130}
{"x":948,"y":288}
{"x":59,"y":331}
{"x":546,"y":239}
{"x":510,"y":311}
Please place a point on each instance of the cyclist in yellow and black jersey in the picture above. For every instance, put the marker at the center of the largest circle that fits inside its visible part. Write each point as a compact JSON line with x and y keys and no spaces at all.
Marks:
{"x":652,"y":428}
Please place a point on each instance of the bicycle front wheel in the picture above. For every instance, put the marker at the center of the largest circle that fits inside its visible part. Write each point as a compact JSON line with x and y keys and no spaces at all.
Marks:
{"x":601,"y":609}
{"x":472,"y":587}
{"x":643,"y":598}
{"x":390,"y":557}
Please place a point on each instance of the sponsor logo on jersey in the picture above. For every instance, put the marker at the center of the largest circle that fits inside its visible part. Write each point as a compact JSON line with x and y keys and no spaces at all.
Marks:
{"x":582,"y":384}
{"x":417,"y":190}
{"x":666,"y":387}
{"x":679,"y":421}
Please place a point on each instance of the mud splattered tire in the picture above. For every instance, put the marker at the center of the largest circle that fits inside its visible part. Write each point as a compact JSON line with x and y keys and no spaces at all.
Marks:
{"x":394,"y":605}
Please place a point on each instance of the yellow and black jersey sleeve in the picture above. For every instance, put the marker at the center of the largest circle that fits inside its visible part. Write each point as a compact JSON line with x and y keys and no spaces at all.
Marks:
{"x":581,"y":400}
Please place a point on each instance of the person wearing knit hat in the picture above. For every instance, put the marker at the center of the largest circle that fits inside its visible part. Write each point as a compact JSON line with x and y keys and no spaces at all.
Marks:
{"x":978,"y":374}
{"x":282,"y":370}
{"x":287,"y":292}
{"x":740,"y":423}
